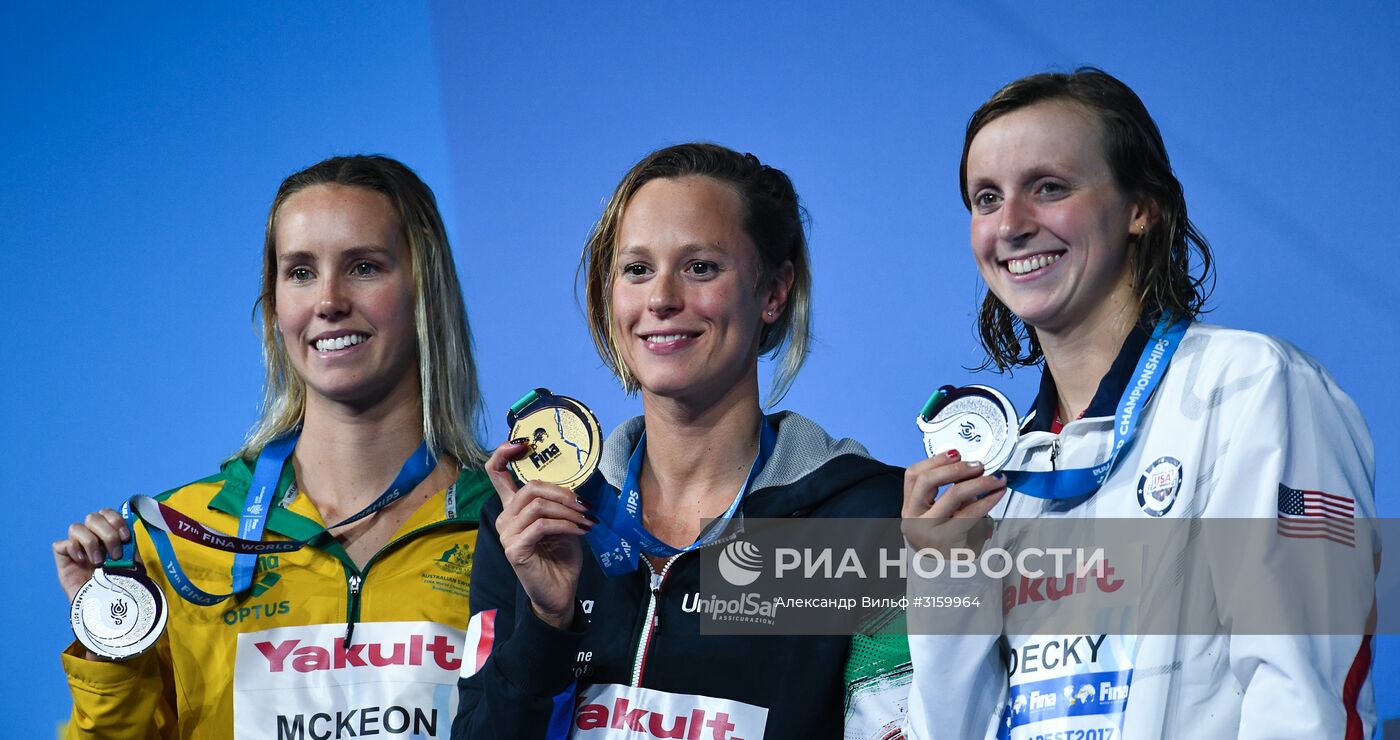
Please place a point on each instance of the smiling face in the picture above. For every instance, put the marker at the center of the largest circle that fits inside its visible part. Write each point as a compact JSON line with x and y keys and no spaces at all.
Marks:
{"x":1050,"y":227}
{"x":344,"y":296}
{"x":686,"y":315}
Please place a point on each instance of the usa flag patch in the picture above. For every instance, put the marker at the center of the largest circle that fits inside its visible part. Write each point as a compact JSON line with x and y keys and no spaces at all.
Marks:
{"x":1304,"y":514}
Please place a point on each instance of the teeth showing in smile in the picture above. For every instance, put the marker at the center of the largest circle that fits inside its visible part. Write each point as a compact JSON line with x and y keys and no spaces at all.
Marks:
{"x":1031,"y":264}
{"x":330,"y":345}
{"x":663,"y":338}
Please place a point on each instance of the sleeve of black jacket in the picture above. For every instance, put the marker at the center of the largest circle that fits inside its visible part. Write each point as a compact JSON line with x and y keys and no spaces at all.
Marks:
{"x":517,"y":689}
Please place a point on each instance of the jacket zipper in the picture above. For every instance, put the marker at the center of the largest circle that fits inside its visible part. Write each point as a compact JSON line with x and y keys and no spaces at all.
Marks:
{"x":353,"y":606}
{"x":1054,"y":452}
{"x":653,"y":620}
{"x":355,"y":580}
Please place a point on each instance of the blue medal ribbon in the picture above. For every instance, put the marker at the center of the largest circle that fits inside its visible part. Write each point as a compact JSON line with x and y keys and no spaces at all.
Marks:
{"x":256,"y":506}
{"x":1077,"y":482}
{"x":619,"y":538}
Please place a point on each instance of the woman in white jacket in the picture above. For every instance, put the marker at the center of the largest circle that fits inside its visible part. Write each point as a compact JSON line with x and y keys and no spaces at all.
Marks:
{"x":1079,"y":229}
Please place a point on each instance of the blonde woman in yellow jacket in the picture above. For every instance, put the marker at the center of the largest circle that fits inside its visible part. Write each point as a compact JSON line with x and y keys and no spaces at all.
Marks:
{"x":369,"y":363}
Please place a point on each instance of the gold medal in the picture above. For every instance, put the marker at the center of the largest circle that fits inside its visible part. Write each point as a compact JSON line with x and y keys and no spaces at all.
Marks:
{"x":562,"y":435}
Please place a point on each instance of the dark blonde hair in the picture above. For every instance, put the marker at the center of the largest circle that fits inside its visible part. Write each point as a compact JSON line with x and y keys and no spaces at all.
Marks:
{"x":773,"y":220}
{"x":1163,"y":279}
{"x":446,"y":369}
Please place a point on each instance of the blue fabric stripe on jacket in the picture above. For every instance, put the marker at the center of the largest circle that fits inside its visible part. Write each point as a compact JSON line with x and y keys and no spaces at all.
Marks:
{"x":561,"y":718}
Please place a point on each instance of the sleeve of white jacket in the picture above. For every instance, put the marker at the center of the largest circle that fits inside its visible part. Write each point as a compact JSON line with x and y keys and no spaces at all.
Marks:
{"x":960,"y":679}
{"x":1295,"y":430}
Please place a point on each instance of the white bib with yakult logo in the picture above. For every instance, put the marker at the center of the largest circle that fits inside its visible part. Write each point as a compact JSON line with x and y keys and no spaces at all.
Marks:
{"x":394,"y":679}
{"x":613,"y":712}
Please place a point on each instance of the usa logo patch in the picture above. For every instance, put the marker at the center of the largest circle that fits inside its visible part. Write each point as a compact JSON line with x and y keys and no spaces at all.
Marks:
{"x":1158,"y":486}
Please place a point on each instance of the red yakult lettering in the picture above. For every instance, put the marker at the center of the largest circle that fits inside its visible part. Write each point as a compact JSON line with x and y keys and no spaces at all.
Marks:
{"x":623,"y":719}
{"x":442,"y":650}
{"x":623,"y":716}
{"x":347,"y":656}
{"x":308,"y":658}
{"x":1035,"y":590}
{"x":276,"y":655}
{"x":612,"y":710}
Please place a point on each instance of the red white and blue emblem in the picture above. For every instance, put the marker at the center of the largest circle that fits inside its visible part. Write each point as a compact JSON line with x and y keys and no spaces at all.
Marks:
{"x":1158,"y":486}
{"x":1304,"y":514}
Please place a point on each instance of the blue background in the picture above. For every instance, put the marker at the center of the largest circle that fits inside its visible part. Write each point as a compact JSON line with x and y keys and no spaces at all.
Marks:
{"x":143,"y":148}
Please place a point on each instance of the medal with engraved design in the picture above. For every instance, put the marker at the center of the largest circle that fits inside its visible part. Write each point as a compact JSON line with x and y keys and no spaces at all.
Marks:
{"x":563,"y":437}
{"x":977,"y":421}
{"x":119,"y":613}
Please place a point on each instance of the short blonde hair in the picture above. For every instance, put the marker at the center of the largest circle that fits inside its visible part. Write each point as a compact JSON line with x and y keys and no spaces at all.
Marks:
{"x":773,"y":219}
{"x":451,"y":399}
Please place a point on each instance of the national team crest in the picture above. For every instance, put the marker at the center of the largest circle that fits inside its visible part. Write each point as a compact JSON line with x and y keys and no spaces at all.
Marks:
{"x":1158,"y":486}
{"x":457,"y":559}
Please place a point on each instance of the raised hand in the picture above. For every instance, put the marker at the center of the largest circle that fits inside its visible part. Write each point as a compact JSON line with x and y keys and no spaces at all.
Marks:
{"x":99,"y":536}
{"x":953,"y":518}
{"x":540,"y":528}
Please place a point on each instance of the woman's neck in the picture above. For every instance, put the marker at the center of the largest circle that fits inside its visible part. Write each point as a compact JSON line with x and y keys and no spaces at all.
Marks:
{"x":1079,"y":357}
{"x":696,"y":456}
{"x":346,"y":457}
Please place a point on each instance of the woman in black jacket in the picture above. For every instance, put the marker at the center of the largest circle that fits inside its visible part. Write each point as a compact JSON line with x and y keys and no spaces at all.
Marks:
{"x":697,"y":267}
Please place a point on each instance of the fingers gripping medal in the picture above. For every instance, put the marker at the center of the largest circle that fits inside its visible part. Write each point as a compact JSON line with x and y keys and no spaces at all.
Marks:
{"x":120,"y":612}
{"x":564,"y":440}
{"x":977,"y":421}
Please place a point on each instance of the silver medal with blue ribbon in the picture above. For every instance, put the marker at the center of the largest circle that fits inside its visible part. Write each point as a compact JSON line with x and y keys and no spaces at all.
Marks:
{"x":954,"y":418}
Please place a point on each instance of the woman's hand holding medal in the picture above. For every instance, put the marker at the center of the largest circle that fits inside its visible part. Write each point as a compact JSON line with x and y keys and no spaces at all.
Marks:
{"x":956,"y":517}
{"x":974,"y":421}
{"x":116,"y":610}
{"x":539,"y":527}
{"x":99,"y":536}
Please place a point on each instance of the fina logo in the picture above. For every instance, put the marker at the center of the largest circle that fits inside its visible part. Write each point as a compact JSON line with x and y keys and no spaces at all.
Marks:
{"x":740,"y":563}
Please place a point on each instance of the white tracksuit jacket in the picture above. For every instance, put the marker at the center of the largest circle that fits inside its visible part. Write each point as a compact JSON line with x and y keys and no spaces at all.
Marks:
{"x":1236,"y":416}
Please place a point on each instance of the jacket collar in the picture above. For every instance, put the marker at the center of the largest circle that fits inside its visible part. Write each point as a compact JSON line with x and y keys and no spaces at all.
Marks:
{"x":1109,"y":392}
{"x":470,"y":491}
{"x":785,"y":485}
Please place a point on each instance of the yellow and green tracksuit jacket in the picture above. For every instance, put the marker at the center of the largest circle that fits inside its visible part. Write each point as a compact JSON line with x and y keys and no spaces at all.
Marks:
{"x":317,"y":648}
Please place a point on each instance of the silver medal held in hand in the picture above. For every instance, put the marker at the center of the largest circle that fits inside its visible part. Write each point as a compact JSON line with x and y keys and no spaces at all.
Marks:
{"x":119,"y":613}
{"x":977,"y":421}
